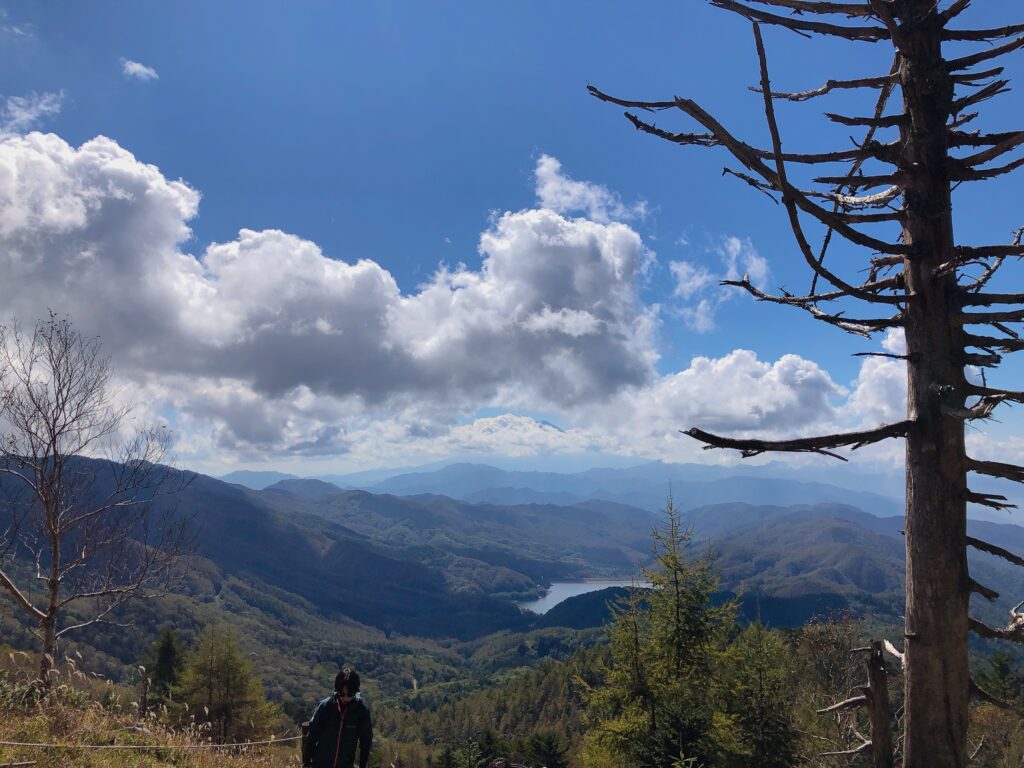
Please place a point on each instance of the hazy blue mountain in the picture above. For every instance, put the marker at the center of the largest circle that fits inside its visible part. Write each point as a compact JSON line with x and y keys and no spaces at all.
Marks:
{"x":257,"y":480}
{"x":306,"y":488}
{"x":645,"y":486}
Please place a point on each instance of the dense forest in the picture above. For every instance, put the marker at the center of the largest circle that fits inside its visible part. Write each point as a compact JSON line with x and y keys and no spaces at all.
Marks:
{"x":675,"y":677}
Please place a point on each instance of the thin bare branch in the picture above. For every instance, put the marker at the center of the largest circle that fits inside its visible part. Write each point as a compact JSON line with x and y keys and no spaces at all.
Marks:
{"x":1005,"y":144}
{"x":982,"y":174}
{"x":954,"y":65}
{"x":851,"y":703}
{"x":19,"y":596}
{"x":883,"y":121}
{"x":983,"y":34}
{"x":847,"y":32}
{"x":975,"y":318}
{"x":856,"y":326}
{"x":829,"y":86}
{"x":751,"y":447}
{"x":865,"y":747}
{"x":850,"y":10}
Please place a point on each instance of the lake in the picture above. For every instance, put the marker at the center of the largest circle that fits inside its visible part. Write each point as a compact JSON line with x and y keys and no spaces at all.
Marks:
{"x":563,"y":590}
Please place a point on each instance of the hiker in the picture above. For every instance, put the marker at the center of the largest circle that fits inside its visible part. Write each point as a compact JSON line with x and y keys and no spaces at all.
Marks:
{"x":339,"y":721}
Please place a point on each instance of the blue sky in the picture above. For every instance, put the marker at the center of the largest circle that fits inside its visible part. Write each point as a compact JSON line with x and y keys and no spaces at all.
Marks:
{"x":400,"y":134}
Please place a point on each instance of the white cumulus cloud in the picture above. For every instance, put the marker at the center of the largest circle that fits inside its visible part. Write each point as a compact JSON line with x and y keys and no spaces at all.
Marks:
{"x":251,"y":324}
{"x":135,"y":70}
{"x":562,"y":194}
{"x":265,"y":347}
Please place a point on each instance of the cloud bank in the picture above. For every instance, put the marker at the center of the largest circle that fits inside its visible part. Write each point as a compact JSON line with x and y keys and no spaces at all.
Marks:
{"x":265,"y":347}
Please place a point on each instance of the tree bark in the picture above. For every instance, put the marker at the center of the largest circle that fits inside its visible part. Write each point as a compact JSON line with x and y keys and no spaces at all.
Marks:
{"x":48,"y":629}
{"x":878,"y":706}
{"x":936,"y":675}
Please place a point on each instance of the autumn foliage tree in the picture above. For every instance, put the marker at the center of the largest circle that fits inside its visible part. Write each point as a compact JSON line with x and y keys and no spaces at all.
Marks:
{"x":891,"y":193}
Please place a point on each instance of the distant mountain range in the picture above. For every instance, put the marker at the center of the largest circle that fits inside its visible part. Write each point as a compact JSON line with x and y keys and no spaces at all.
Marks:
{"x":313,"y":572}
{"x":646,"y":486}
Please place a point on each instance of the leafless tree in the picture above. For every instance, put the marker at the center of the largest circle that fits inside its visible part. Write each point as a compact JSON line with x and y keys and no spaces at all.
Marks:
{"x":892,"y":196}
{"x":81,"y":535}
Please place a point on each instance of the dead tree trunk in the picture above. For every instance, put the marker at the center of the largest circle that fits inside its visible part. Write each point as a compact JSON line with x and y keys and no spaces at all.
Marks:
{"x":938,"y":585}
{"x":879,"y":709}
{"x":926,"y":282}
{"x":874,"y":697}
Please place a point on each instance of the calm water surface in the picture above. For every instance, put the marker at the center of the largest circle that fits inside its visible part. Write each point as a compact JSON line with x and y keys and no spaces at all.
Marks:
{"x":563,"y":590}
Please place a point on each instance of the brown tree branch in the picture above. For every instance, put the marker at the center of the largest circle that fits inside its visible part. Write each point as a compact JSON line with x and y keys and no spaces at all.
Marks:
{"x":965,"y":62}
{"x":866,"y":34}
{"x":858,"y":327}
{"x":986,"y":592}
{"x":954,"y":10}
{"x":983,"y":34}
{"x":992,"y":549}
{"x":983,"y":174}
{"x":1014,"y":629}
{"x":992,"y":500}
{"x":851,"y":703}
{"x":850,"y":10}
{"x":997,"y":469}
{"x":831,"y":85}
{"x":752,"y":447}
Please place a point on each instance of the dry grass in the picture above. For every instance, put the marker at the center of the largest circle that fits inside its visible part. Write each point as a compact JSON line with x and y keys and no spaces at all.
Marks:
{"x":88,"y":724}
{"x":85,"y":710}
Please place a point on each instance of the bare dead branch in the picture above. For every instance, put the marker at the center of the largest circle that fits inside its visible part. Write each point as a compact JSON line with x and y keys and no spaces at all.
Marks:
{"x":980,"y":589}
{"x":972,"y":78}
{"x":965,"y":62}
{"x":851,"y":703}
{"x":992,"y":500}
{"x":983,"y":34}
{"x":831,"y":85}
{"x":972,"y":174}
{"x":864,"y":181}
{"x":992,"y":343}
{"x":884,"y":121}
{"x":740,"y":151}
{"x":887,"y":355}
{"x":865,"y":747}
{"x":997,"y":469}
{"x":856,"y":326}
{"x":978,"y":139}
{"x":983,"y":409}
{"x":954,"y":10}
{"x":988,"y":299}
{"x":1006,"y":394}
{"x":981,"y":694}
{"x":1005,"y":144}
{"x":866,"y":34}
{"x":752,"y":447}
{"x":1014,"y":629}
{"x":850,"y":10}
{"x":893,"y":651}
{"x":992,"y":549}
{"x":976,"y":318}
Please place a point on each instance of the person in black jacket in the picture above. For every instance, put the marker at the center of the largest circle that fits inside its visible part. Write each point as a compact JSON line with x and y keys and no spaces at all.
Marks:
{"x":339,"y":722}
